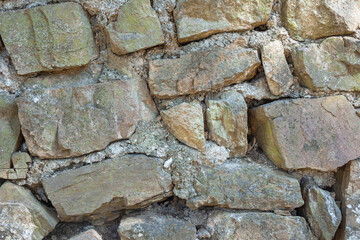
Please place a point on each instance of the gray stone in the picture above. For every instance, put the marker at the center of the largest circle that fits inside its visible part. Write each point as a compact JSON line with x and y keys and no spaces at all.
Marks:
{"x":87,"y":235}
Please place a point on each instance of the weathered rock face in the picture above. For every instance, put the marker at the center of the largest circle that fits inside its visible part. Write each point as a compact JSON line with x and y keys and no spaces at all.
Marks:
{"x":186,"y":123}
{"x":229,"y":184}
{"x":319,"y":18}
{"x":278,"y":75}
{"x":97,"y":192}
{"x":66,"y":122}
{"x":199,"y":19}
{"x":19,"y":168}
{"x":159,"y":227}
{"x":35,"y":37}
{"x":317,"y":133}
{"x":202,"y":71}
{"x":257,"y":226}
{"x":320,"y":211}
{"x":9,"y":129}
{"x":22,"y":216}
{"x":226,"y":116}
{"x":331,"y":66}
{"x":137,"y":27}
{"x":348,"y":191}
{"x":88,"y":235}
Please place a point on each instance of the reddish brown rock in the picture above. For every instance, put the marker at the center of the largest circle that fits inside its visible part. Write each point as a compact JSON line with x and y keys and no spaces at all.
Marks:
{"x":202,"y":71}
{"x":319,"y":134}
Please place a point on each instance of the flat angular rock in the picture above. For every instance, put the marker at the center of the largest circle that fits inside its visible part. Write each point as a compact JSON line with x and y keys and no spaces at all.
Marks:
{"x":186,"y":122}
{"x":318,"y":18}
{"x":88,"y":235}
{"x":348,"y":191}
{"x":202,"y":71}
{"x":9,"y":129}
{"x":332,"y":65}
{"x":48,"y":38}
{"x":200,"y":19}
{"x":226,"y":116}
{"x":20,"y":160}
{"x":68,"y":122}
{"x":318,"y":134}
{"x":241,"y":185}
{"x":137,"y":27}
{"x":257,"y":226}
{"x":320,"y":211}
{"x":97,"y":192}
{"x":22,"y":216}
{"x":159,"y":227}
{"x":278,"y":75}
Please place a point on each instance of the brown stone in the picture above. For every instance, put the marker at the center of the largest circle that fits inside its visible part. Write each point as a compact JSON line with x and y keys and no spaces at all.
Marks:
{"x":319,"y":134}
{"x":202,"y":71}
{"x":68,"y":122}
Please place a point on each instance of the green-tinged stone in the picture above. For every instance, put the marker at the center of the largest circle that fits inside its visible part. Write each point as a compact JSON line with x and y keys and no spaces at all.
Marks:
{"x":198,"y":19}
{"x":99,"y":191}
{"x":137,"y":27}
{"x":226,"y":116}
{"x":48,"y":38}
{"x":22,"y":216}
{"x":20,"y":160}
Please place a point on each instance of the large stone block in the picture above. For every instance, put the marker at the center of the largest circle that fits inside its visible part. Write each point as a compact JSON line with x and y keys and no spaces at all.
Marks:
{"x":320,"y":18}
{"x":48,"y":38}
{"x":332,"y":65}
{"x":22,"y":216}
{"x":202,"y":71}
{"x":97,"y":192}
{"x":198,"y":19}
{"x":137,"y":27}
{"x":318,"y":134}
{"x":241,"y":185}
{"x":67,"y":122}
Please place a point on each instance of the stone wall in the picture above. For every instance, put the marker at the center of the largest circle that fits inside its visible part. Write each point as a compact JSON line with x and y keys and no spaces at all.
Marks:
{"x":187,"y":119}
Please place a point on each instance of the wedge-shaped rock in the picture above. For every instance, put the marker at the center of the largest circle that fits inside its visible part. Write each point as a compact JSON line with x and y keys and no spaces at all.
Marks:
{"x":241,"y":185}
{"x":22,"y":216}
{"x":331,"y":66}
{"x":198,"y":19}
{"x":48,"y":38}
{"x":317,"y":133}
{"x":9,"y":129}
{"x":257,"y":226}
{"x":226,"y":116}
{"x":137,"y":27}
{"x":87,"y":235}
{"x":67,"y":122}
{"x":320,"y":211}
{"x":320,"y":18}
{"x":348,"y":192}
{"x":99,"y":191}
{"x":278,"y":74}
{"x":202,"y":71}
{"x":156,"y":226}
{"x":186,"y":122}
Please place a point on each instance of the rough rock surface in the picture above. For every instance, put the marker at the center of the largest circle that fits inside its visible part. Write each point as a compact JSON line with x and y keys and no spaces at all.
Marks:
{"x":88,"y":235}
{"x":318,"y":18}
{"x":199,"y":19}
{"x":137,"y":27}
{"x":331,"y":66}
{"x":99,"y":191}
{"x":202,"y":71}
{"x":35,"y":37}
{"x":22,"y":216}
{"x":320,"y":211}
{"x":226,"y":116}
{"x":9,"y":128}
{"x":241,"y":185}
{"x":159,"y":227}
{"x":317,"y":133}
{"x":348,"y":191}
{"x":66,"y":122}
{"x":186,"y":123}
{"x":19,"y":168}
{"x":257,"y":226}
{"x":278,"y":75}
